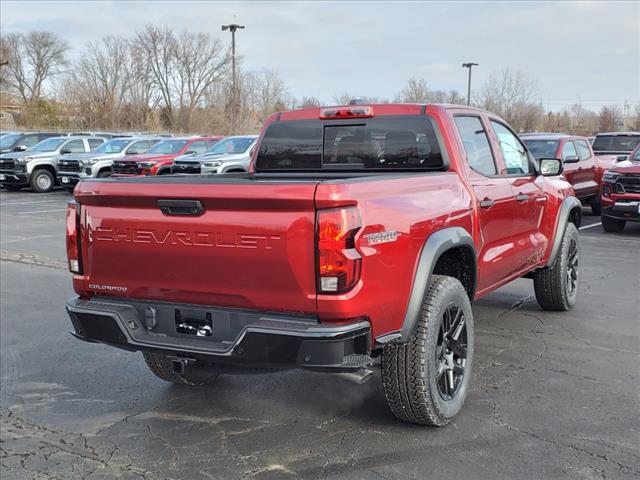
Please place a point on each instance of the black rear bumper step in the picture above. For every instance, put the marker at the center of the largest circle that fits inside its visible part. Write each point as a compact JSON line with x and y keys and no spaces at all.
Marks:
{"x":235,"y":337}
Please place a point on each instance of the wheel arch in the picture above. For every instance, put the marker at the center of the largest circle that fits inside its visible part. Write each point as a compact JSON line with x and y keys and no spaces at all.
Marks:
{"x":570,"y":211}
{"x":450,"y":251}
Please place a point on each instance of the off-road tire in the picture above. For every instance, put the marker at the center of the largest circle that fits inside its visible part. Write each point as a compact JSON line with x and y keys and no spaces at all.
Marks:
{"x":551,"y":285}
{"x":13,"y":188}
{"x":162,"y":367}
{"x":104,"y":174}
{"x":409,"y":369}
{"x":596,"y":206}
{"x":34,"y":181}
{"x":612,"y":225}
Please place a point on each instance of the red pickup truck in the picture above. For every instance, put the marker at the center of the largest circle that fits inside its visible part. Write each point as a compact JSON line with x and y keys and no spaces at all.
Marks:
{"x":582,"y":168}
{"x":159,"y":158}
{"x":361,"y":232}
{"x":621,"y":193}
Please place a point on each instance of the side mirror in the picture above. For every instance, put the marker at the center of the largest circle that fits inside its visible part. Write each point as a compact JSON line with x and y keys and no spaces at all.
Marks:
{"x":64,"y":151}
{"x":19,"y":148}
{"x":571,"y":159}
{"x":550,"y":167}
{"x":622,"y":158}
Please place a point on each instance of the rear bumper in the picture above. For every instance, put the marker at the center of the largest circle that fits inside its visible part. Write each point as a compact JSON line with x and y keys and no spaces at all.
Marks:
{"x":237,"y":337}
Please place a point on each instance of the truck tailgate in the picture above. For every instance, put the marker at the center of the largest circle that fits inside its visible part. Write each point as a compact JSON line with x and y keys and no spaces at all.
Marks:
{"x":251,"y":247}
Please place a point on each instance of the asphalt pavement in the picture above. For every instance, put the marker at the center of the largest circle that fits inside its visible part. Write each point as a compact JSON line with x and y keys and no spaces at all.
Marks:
{"x":554,"y":395}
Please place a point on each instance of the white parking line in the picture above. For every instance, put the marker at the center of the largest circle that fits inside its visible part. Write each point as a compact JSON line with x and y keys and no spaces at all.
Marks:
{"x":42,"y":211}
{"x":589,"y":226}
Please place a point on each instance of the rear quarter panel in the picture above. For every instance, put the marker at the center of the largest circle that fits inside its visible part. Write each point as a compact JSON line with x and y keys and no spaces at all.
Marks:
{"x":412,"y":206}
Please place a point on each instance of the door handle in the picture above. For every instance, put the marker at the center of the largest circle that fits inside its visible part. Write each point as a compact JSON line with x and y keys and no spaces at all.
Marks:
{"x":541,"y":199}
{"x":521,"y":197}
{"x":487,"y":203}
{"x":181,"y":207}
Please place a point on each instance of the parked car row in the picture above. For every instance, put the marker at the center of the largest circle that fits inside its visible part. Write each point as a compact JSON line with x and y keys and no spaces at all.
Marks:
{"x":66,"y":160}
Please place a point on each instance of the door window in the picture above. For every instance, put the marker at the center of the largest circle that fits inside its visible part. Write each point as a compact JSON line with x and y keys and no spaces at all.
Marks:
{"x":569,"y":150}
{"x":198,"y":147}
{"x":74,"y":146}
{"x":476,"y":145}
{"x":95,"y":143}
{"x":583,"y":149}
{"x":516,"y":158}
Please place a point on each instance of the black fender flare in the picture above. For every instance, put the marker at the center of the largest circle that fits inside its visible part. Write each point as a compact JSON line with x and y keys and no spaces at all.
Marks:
{"x":568,"y":205}
{"x":436,"y":244}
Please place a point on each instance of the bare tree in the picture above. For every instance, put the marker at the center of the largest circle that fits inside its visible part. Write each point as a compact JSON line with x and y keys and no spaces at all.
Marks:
{"x":610,"y":118}
{"x":183,"y":67}
{"x":310,"y":102}
{"x":415,"y":91}
{"x":33,"y":58}
{"x":101,"y":81}
{"x":200,"y":61}
{"x":511,"y":94}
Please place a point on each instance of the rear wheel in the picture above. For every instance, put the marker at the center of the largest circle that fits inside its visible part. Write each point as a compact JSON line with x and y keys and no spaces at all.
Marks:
{"x":42,"y":181}
{"x":612,"y":225}
{"x":104,"y":174}
{"x":162,"y":367}
{"x":426,"y":379}
{"x":556,"y":288}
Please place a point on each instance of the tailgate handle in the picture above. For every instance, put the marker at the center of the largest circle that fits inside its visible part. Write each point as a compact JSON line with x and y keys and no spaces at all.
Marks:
{"x":181,"y":207}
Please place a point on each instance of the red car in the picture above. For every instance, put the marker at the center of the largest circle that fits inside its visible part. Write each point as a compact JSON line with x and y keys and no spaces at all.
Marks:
{"x":159,"y":159}
{"x":621,"y":193}
{"x":363,"y":232}
{"x":582,"y":168}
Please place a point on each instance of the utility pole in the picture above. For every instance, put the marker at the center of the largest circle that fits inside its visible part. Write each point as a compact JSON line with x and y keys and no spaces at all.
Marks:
{"x":470,"y":66}
{"x":234,"y":94}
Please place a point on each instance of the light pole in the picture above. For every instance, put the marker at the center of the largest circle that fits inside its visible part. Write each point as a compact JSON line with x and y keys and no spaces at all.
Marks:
{"x":469,"y":65}
{"x":232,"y":28}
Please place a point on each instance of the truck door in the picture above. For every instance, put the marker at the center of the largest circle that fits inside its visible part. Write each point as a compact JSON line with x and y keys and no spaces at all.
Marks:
{"x":529,"y":198}
{"x":587,"y":162}
{"x":496,"y":251}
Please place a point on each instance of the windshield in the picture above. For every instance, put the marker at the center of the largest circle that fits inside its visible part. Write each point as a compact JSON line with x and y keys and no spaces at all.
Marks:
{"x":542,"y":148}
{"x":113,"y":146}
{"x":381,"y":143}
{"x":49,"y":145}
{"x":168,"y":146}
{"x":615,"y":143}
{"x":7,"y":140}
{"x":231,"y":145}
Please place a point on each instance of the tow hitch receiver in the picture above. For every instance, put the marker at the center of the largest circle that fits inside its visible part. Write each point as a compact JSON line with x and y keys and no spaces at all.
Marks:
{"x":180,"y":364}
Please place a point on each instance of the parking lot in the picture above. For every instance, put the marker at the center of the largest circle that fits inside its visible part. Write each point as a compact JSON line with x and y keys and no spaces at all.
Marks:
{"x":554,"y":395}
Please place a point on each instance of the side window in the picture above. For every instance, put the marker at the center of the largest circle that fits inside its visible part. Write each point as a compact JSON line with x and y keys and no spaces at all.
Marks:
{"x":476,"y":145}
{"x":74,"y":146}
{"x":140,"y":147}
{"x":569,"y":150}
{"x":29,"y":141}
{"x":516,"y":158}
{"x":197,"y":147}
{"x":95,"y":143}
{"x":583,"y":149}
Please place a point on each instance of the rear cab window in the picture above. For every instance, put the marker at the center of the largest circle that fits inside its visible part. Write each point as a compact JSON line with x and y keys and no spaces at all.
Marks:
{"x":615,"y":143}
{"x":378,"y":143}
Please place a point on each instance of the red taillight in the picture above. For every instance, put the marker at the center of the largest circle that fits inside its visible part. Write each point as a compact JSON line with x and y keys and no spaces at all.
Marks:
{"x":358,"y":111}
{"x":73,"y":237}
{"x":338,"y":259}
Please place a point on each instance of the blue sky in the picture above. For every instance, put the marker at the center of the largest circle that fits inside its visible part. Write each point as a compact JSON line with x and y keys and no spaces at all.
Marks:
{"x":588,"y":51}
